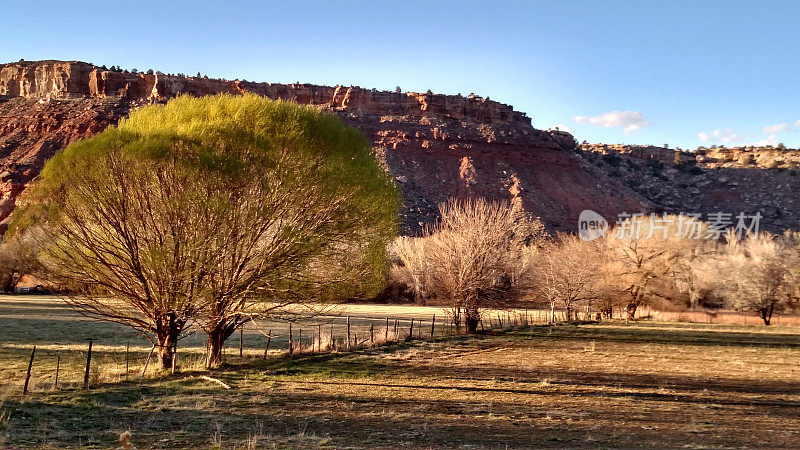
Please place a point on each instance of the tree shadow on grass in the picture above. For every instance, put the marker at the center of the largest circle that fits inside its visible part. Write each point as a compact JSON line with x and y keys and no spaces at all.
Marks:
{"x":673,"y":336}
{"x":189,"y":413}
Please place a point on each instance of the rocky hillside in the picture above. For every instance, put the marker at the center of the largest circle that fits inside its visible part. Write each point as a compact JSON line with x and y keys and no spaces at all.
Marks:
{"x":707,"y":180}
{"x":436,"y":146}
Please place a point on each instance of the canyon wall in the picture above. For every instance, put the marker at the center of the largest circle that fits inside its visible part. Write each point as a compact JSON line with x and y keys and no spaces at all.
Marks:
{"x":436,"y":146}
{"x":74,"y":80}
{"x":732,"y":180}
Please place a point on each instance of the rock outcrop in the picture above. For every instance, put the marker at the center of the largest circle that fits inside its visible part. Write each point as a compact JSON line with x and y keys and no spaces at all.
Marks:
{"x":435,"y":145}
{"x":730,"y":180}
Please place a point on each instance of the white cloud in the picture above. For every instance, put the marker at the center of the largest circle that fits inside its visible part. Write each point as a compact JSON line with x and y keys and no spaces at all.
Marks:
{"x":562,"y":127}
{"x":777,"y":128}
{"x":769,"y":140}
{"x":797,"y":124}
{"x":629,"y":121}
{"x":726,"y":136}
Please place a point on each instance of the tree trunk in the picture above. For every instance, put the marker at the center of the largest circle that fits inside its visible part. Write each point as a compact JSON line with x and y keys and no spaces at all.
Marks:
{"x":168,"y":328}
{"x":216,"y":342}
{"x":471,"y":321}
{"x":694,"y":299}
{"x":569,"y":314}
{"x":457,"y":318}
{"x":607,"y":312}
{"x":165,"y":355}
{"x":8,"y":284}
{"x":766,"y":314}
{"x":631,"y":310}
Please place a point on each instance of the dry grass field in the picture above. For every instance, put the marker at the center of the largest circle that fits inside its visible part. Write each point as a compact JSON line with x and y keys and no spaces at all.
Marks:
{"x":646,"y":384}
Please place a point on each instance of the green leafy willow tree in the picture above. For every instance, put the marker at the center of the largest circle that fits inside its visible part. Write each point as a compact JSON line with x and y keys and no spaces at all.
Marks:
{"x":212,"y":209}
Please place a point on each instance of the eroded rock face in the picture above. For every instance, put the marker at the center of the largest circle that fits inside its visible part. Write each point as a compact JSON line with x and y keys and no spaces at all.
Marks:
{"x":728,"y":180}
{"x":66,"y":80}
{"x":436,"y":146}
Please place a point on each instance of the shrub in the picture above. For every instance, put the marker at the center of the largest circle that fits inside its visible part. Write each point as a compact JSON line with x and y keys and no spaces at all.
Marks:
{"x":612,"y":159}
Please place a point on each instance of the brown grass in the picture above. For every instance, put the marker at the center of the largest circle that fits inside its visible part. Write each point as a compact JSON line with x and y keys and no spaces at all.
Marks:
{"x":606,"y":385}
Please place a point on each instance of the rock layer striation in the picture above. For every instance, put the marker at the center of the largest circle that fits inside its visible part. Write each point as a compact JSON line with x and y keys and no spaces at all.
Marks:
{"x":436,"y":146}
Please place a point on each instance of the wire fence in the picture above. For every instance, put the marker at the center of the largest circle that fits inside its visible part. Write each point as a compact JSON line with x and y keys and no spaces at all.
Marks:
{"x":74,"y":366}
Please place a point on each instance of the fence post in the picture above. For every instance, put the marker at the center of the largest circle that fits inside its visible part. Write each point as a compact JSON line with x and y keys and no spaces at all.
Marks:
{"x":88,"y":364}
{"x":411,"y":330}
{"x":127,"y":358}
{"x":58,"y":366}
{"x":371,"y":335}
{"x":241,"y":343}
{"x":333,"y":340}
{"x":395,"y":329}
{"x":291,"y":341}
{"x":299,"y":340}
{"x":269,"y":338}
{"x":174,"y":355}
{"x":319,"y":337}
{"x":348,"y":333}
{"x":28,"y":376}
{"x":386,"y":335}
{"x":147,"y":363}
{"x":433,"y":324}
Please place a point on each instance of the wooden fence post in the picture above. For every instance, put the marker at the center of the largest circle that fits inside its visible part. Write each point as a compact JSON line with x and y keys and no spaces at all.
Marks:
{"x":433,"y":324}
{"x":395,"y":330}
{"x":241,"y":343}
{"x":411,"y":330}
{"x":319,"y":337}
{"x":88,"y":364}
{"x":371,"y":335}
{"x":291,"y":341}
{"x":386,"y":335}
{"x":147,"y":363}
{"x":28,"y":375}
{"x":333,"y":340}
{"x":58,"y":366}
{"x":348,"y":333}
{"x":269,"y":338}
{"x":174,"y":355}
{"x":127,"y":358}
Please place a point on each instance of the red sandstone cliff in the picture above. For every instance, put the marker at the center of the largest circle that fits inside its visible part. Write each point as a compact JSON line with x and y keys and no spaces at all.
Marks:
{"x":436,"y":145}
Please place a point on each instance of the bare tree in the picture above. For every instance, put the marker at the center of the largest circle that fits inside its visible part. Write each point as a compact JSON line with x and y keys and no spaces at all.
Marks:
{"x":473,"y":256}
{"x":643,"y":253}
{"x":567,"y":271}
{"x":754,"y":274}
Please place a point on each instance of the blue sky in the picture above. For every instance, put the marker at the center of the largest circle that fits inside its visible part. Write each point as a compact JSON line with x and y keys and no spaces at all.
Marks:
{"x":675,"y":72}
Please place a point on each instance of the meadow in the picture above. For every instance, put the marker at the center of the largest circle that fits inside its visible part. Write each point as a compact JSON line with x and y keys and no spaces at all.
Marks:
{"x":607,"y":384}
